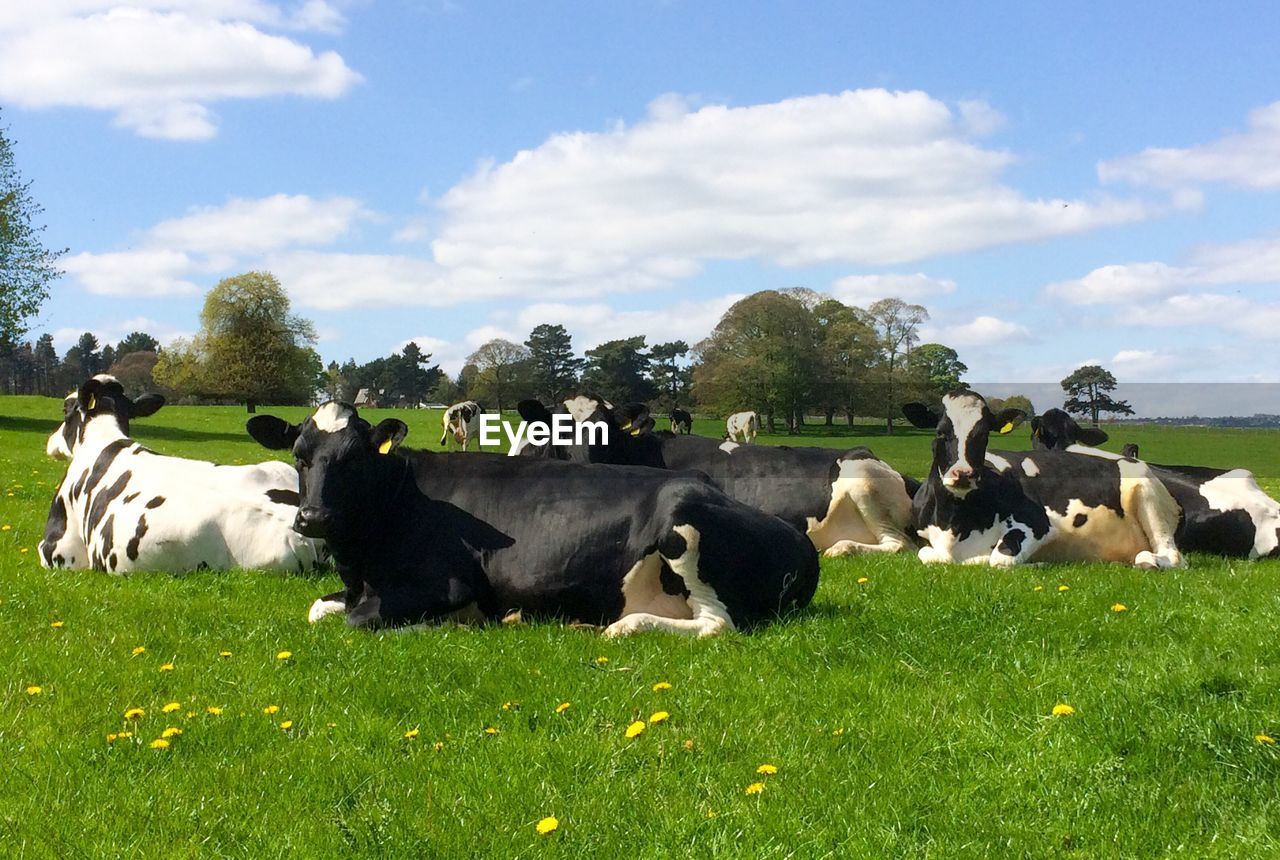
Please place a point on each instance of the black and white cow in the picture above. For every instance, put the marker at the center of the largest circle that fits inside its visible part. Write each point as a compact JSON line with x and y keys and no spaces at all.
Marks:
{"x":1007,"y":507}
{"x":420,"y":536}
{"x":742,"y":427}
{"x":844,"y":501}
{"x":462,"y":422}
{"x":121,"y":507}
{"x":1226,"y":512}
{"x":681,"y":422}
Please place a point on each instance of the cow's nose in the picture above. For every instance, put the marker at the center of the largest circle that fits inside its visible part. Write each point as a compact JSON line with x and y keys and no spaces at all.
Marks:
{"x":959,"y":478}
{"x":311,"y":521}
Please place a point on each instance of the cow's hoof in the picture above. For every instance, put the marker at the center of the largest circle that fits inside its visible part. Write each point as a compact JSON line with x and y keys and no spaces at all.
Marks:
{"x":323,"y":607}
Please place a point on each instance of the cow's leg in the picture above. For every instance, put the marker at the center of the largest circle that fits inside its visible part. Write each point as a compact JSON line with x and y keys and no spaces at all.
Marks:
{"x":330,"y":604}
{"x":1017,"y":545}
{"x":869,"y":504}
{"x":710,"y":616}
{"x":1147,"y":500}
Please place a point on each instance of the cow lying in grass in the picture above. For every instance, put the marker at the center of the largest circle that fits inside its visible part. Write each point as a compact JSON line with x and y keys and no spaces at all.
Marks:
{"x":844,"y":501}
{"x":423,"y":536}
{"x":121,"y":507}
{"x":1226,"y":512}
{"x":1007,"y":507}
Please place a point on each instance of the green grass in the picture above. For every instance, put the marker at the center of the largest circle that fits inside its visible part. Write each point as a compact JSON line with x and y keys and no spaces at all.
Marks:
{"x":907,"y":715}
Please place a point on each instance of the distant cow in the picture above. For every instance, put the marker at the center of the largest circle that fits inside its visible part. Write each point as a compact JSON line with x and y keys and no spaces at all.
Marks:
{"x":462,"y":421}
{"x":742,"y":427}
{"x":1226,"y":512}
{"x":425,"y":535}
{"x":121,"y":507}
{"x":844,"y":501}
{"x":681,"y":422}
{"x":1007,"y":507}
{"x":1130,"y":451}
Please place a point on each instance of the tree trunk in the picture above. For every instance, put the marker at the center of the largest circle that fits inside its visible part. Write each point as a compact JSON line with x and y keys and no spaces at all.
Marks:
{"x":831,"y":416}
{"x":251,"y":405}
{"x":888,"y":426}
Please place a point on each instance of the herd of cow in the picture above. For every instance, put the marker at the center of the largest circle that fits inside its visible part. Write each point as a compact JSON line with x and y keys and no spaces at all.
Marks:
{"x":641,"y":529}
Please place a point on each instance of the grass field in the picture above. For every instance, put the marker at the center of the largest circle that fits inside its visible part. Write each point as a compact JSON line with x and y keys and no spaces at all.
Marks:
{"x":908,"y":711}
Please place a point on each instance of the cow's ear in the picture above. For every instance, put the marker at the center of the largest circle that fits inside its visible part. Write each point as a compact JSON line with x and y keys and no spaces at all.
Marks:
{"x":388,"y":435}
{"x":1035,"y":427}
{"x":272,"y":432}
{"x":534,"y":410}
{"x":1091,"y":436}
{"x":1008,"y":419}
{"x":90,"y":396}
{"x":921,"y":416}
{"x":642,"y":425}
{"x":147,"y":404}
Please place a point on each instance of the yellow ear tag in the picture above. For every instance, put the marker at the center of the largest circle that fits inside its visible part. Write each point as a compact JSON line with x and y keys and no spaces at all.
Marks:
{"x":626,"y":426}
{"x":92,"y":400}
{"x":385,"y":447}
{"x":1006,"y":428}
{"x":635,"y":432}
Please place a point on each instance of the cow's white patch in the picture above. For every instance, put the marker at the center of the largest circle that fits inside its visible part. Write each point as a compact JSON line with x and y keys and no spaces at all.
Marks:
{"x":1029,"y":467}
{"x":1093,"y":452}
{"x":322,"y":608}
{"x":1000,"y":464}
{"x":332,"y":417}
{"x":942,"y":545}
{"x":869,"y":511}
{"x":642,"y":592}
{"x":1237,"y":490}
{"x":1144,"y":498}
{"x":708,"y":614}
{"x":581,"y":407}
{"x":729,"y":447}
{"x":465,"y":422}
{"x":965,"y":411}
{"x":743,"y":425}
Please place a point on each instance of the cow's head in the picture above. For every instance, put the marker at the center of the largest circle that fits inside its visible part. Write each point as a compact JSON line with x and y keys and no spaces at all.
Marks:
{"x":600,"y":447}
{"x":102,"y":395}
{"x":1055,"y":430}
{"x":960,"y":440}
{"x":335,"y":451}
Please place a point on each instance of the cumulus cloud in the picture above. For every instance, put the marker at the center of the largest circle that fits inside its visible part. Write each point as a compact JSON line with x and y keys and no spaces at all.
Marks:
{"x":982,"y":331}
{"x":148,"y":273}
{"x":157,"y":65}
{"x":112,"y":332}
{"x":594,"y":323}
{"x":1246,"y":159}
{"x":865,"y":289}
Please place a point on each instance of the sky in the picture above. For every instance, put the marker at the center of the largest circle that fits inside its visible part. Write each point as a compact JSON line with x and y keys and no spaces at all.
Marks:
{"x":1058,"y":184}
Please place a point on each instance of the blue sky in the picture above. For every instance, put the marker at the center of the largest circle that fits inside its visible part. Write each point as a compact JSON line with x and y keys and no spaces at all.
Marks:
{"x":1056,"y":185}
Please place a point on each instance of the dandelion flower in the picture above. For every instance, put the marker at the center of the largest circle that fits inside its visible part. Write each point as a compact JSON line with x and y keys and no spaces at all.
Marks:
{"x":835,"y":733}
{"x":159,"y":744}
{"x":660,"y":686}
{"x":688,"y":745}
{"x":171,"y":707}
{"x":134,"y":714}
{"x":56,"y":624}
{"x":862,"y":580}
{"x":1038,"y":588}
{"x":111,"y":738}
{"x":171,"y":732}
{"x":139,"y":650}
{"x":1264,"y":739}
{"x":601,"y":660}
{"x":411,"y":734}
{"x":1064,"y":588}
{"x":286,"y":725}
{"x":166,"y":667}
{"x":755,"y":788}
{"x":271,"y":709}
{"x":437,"y":746}
{"x":214,"y":710}
{"x":490,"y":731}
{"x":284,"y":655}
{"x":224,"y":654}
{"x":547,"y":825}
{"x":1119,"y":607}
{"x":658,"y":717}
{"x":635,"y":728}
{"x":510,"y":706}
{"x":6,"y":527}
{"x":25,"y":549}
{"x":711,"y":813}
{"x":190,"y":714}
{"x":34,"y":690}
{"x":1061,"y":710}
{"x":767,"y":769}
{"x":562,"y":707}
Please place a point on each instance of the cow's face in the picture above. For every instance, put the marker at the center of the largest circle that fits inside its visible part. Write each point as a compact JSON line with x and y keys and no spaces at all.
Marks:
{"x":334,"y":451}
{"x":630,"y":418}
{"x":1055,"y":430}
{"x":102,"y":395}
{"x":960,"y":437}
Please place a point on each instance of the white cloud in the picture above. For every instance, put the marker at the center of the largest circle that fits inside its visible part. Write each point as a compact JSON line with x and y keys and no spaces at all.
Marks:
{"x":147,"y":273}
{"x":982,"y":331}
{"x":259,"y":225}
{"x":1119,"y":284}
{"x":1248,"y":159}
{"x":865,"y":289}
{"x":112,"y":332}
{"x":159,"y":64}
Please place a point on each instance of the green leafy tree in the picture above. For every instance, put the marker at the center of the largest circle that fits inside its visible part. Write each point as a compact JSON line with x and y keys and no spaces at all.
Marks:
{"x":502,"y":373}
{"x":939,"y":366}
{"x":846,"y":352}
{"x":552,"y":363}
{"x":618,"y":370}
{"x":897,"y":326}
{"x":85,"y":357}
{"x":135,"y":372}
{"x":26,"y":266}
{"x":1013,"y":401}
{"x":45,"y":361}
{"x":137,"y":341}
{"x":1089,"y":393}
{"x":669,"y":377}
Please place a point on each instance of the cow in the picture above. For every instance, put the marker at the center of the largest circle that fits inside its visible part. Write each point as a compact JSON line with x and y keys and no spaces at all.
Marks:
{"x":1129,"y":451}
{"x":1004,"y":508}
{"x":843,"y":501}
{"x":425,"y":536}
{"x":1226,"y":512}
{"x":681,"y":422}
{"x":121,"y":507}
{"x":742,"y":426}
{"x":462,"y":422}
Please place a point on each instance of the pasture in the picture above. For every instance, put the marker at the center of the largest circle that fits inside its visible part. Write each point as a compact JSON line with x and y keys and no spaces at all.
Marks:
{"x":908,"y":711}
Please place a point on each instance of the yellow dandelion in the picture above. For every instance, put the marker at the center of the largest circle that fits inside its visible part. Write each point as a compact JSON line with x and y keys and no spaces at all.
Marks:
{"x":862,"y":580}
{"x":835,"y":733}
{"x":659,"y":717}
{"x":1038,"y":588}
{"x":190,"y":714}
{"x":437,"y":746}
{"x":56,"y":624}
{"x":6,"y":527}
{"x":601,"y":660}
{"x":755,"y":788}
{"x":214,"y":710}
{"x":34,"y":690}
{"x":711,"y":813}
{"x":660,"y":686}
{"x":1061,"y":710}
{"x":510,"y":706}
{"x":171,"y":707}
{"x":286,"y":725}
{"x":141,"y":649}
{"x":1119,"y":607}
{"x":271,"y":709}
{"x":635,"y":728}
{"x":134,"y":714}
{"x":767,"y":769}
{"x":25,"y":549}
{"x":688,"y":745}
{"x":284,"y":655}
{"x":166,"y":667}
{"x":411,"y":734}
{"x":224,"y":654}
{"x":112,"y":738}
{"x":491,"y":730}
{"x":171,"y":732}
{"x":159,"y":744}
{"x":562,"y":707}
{"x":1064,"y":588}
{"x":1264,"y":739}
{"x":547,"y":825}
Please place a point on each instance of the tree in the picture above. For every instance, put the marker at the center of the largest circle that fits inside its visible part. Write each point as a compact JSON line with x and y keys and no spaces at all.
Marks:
{"x":940,"y":366}
{"x":502,"y":372}
{"x":85,"y":357}
{"x":45,"y":361}
{"x":334,"y":383}
{"x":137,"y":341}
{"x":1013,"y":401}
{"x":897,"y":326}
{"x":668,"y":377}
{"x":618,"y":371}
{"x":26,"y":266}
{"x":1087,"y":389}
{"x":554,"y":367}
{"x":846,"y":351}
{"x":135,"y":372}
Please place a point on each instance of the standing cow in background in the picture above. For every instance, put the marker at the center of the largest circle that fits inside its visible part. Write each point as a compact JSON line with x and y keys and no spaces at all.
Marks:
{"x":1226,"y":512}
{"x":681,"y":422}
{"x":121,"y":507}
{"x":742,"y":427}
{"x":462,"y":422}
